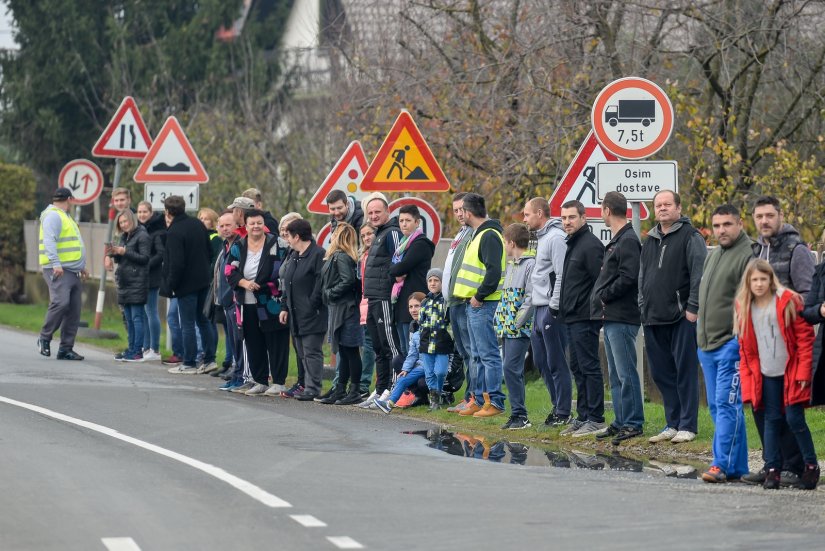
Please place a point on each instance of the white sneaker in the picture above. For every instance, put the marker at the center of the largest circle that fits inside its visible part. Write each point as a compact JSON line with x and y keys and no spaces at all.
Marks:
{"x":366,"y":403}
{"x":207,"y":368}
{"x":683,"y":436}
{"x":183,"y":369}
{"x":150,"y":355}
{"x":257,"y":389}
{"x":666,"y":434}
{"x":275,"y":390}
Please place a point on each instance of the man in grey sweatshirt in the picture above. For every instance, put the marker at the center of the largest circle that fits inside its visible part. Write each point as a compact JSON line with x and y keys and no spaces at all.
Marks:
{"x":548,"y":340}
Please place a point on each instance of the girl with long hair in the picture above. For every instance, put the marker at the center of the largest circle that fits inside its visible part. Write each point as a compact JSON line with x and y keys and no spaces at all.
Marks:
{"x":341,"y":293}
{"x":776,"y":347}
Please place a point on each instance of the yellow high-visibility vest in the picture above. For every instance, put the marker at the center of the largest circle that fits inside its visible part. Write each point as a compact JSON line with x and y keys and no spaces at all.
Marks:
{"x":69,"y":247}
{"x":472,"y":271}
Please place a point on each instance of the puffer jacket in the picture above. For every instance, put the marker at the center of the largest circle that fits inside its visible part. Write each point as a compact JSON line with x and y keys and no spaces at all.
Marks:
{"x":132,"y":274}
{"x":514,"y":315}
{"x":433,"y":321}
{"x":799,"y":342}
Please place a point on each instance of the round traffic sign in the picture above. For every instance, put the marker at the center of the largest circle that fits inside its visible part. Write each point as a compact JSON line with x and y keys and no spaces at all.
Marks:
{"x":324,"y":236}
{"x":632,"y":118}
{"x":431,"y":223}
{"x":85,"y":180}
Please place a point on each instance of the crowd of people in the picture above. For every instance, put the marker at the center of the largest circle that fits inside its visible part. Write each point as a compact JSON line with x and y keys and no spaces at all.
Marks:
{"x":744,"y":311}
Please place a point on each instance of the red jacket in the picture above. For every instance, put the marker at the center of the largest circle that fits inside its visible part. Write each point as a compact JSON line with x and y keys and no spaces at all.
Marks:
{"x":799,"y":340}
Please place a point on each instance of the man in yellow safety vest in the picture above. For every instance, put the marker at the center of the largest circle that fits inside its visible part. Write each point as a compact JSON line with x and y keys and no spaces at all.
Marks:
{"x":479,"y":281}
{"x":63,"y":260}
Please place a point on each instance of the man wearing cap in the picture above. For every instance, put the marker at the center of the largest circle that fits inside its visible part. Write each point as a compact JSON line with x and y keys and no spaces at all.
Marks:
{"x":238,"y":207}
{"x":63,"y":260}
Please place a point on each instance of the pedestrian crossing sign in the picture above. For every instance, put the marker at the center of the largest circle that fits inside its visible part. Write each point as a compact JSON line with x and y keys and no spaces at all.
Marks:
{"x":404,"y":162}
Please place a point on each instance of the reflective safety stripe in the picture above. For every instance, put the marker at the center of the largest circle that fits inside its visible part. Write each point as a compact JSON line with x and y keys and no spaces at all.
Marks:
{"x":472,"y":271}
{"x":68,"y":244}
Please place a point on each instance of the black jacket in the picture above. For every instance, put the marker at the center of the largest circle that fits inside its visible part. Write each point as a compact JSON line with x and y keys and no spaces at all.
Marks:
{"x":302,"y":291}
{"x":271,"y":223}
{"x":339,"y":284}
{"x":133,"y":267}
{"x":490,"y":253}
{"x":582,"y":264}
{"x":670,"y":273}
{"x":813,"y":301}
{"x":616,"y":292}
{"x":268,"y":297}
{"x":156,"y":227}
{"x":186,"y":259}
{"x":377,"y":280}
{"x":414,"y":265}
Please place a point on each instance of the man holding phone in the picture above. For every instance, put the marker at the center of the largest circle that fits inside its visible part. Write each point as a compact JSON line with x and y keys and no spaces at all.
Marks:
{"x":63,"y":260}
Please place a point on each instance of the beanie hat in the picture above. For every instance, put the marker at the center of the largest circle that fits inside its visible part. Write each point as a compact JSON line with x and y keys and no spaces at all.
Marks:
{"x":435,"y":272}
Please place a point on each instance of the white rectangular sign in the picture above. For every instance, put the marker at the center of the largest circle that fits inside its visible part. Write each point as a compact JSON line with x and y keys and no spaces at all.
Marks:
{"x":637,"y":181}
{"x":156,"y":194}
{"x":600,"y":230}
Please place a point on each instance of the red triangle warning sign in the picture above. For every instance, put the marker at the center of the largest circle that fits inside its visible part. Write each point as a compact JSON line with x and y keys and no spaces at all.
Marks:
{"x":126,"y":135}
{"x":579,"y":182}
{"x":171,"y":158}
{"x":346,"y":175}
{"x":404,"y":162}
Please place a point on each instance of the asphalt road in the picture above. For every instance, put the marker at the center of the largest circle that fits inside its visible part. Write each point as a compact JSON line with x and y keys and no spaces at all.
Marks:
{"x":95,"y":450}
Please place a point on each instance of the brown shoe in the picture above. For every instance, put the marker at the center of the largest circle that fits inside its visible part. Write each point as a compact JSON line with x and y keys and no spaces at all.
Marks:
{"x":470,"y":409}
{"x":489,"y":410}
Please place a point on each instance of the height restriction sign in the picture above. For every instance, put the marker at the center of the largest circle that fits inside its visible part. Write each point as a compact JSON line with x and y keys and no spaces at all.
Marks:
{"x":632,"y":118}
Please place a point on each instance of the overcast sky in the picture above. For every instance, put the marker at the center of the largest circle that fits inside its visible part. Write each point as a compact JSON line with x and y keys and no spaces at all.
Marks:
{"x":6,"y":40}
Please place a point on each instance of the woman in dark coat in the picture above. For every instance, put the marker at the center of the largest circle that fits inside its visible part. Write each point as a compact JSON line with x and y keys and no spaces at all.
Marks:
{"x":132,"y":277}
{"x":155,"y":225}
{"x":411,"y":262}
{"x":305,"y":311}
{"x":252,"y":268}
{"x":341,"y":294}
{"x":814,"y":313}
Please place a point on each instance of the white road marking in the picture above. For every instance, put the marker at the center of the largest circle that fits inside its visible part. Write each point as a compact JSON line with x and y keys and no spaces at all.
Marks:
{"x":248,"y":488}
{"x":120,"y":544}
{"x":308,"y":521}
{"x":344,"y":542}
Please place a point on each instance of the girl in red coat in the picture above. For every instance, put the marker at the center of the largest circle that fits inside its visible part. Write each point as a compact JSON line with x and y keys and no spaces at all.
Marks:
{"x":776,"y":347}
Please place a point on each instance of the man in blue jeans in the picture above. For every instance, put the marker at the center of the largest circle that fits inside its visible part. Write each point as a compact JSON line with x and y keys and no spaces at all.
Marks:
{"x":186,"y":276}
{"x":479,"y":281}
{"x":719,"y":348}
{"x":615,"y":302}
{"x":456,"y":306}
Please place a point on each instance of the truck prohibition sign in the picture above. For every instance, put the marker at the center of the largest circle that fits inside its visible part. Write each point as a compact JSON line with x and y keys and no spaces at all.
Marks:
{"x":631,"y":111}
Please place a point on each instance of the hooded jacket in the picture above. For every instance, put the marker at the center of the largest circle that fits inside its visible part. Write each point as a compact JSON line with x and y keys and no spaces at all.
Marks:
{"x":670,"y":272}
{"x":547,"y":273}
{"x":616,"y":291}
{"x":414,"y":265}
{"x":789,"y":257}
{"x":156,"y":228}
{"x":799,"y":340}
{"x":133,"y":267}
{"x":582,"y":264}
{"x":354,"y":217}
{"x":514,"y":318}
{"x":723,"y":271}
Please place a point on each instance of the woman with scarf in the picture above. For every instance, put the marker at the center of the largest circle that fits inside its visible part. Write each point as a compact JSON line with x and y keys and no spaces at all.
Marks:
{"x":410,"y":264}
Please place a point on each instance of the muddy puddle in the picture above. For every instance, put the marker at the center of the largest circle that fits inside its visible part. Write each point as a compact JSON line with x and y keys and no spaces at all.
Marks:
{"x":562,"y":457}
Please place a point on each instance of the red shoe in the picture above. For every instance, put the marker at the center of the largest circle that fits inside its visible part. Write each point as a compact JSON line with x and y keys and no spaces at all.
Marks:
{"x":406,"y":400}
{"x":172,"y":360}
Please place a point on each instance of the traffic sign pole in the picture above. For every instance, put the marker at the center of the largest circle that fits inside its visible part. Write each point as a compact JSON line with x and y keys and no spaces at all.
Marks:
{"x":637,"y":218}
{"x":101,"y":291}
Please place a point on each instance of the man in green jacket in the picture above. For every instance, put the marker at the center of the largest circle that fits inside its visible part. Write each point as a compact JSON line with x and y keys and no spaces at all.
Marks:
{"x":719,"y":348}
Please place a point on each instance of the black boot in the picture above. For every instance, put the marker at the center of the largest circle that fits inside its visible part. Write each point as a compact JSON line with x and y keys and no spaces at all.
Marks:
{"x":435,"y":400}
{"x":810,"y":477}
{"x":352,"y":397}
{"x":771,"y":479}
{"x":334,"y":396}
